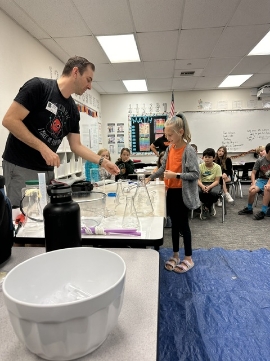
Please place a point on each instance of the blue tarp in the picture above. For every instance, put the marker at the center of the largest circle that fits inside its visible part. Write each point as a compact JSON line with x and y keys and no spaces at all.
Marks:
{"x":217,"y":311}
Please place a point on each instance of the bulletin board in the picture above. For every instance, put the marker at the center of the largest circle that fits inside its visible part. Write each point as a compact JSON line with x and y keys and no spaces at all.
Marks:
{"x":144,"y":130}
{"x":239,"y":130}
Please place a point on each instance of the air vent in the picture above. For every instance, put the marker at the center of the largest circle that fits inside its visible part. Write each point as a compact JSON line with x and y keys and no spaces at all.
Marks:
{"x":187,"y":73}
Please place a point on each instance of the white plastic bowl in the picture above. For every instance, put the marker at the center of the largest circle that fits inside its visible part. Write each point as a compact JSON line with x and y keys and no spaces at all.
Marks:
{"x":69,"y":329}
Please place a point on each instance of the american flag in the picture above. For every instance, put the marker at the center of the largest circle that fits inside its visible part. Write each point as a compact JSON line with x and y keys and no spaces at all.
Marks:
{"x":172,"y":106}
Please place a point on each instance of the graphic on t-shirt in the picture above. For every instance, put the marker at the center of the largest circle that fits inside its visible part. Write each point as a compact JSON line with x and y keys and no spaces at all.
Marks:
{"x":265,"y":169}
{"x":56,"y":128}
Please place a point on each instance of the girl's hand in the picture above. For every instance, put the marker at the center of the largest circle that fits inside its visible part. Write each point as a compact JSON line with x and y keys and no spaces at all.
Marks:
{"x":168,"y":174}
{"x":224,"y":175}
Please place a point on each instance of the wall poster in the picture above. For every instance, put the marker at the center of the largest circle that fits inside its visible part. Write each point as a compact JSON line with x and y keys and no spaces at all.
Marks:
{"x":144,"y":130}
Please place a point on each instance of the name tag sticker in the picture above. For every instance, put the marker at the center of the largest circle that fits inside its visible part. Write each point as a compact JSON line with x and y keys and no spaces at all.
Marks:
{"x":51,"y":108}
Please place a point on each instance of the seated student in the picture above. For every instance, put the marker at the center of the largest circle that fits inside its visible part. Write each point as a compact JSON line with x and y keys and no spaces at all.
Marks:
{"x":226,"y":169}
{"x":260,"y":150}
{"x":125,"y":164}
{"x":262,"y":165}
{"x":106,"y":154}
{"x":208,"y":182}
{"x":196,"y":150}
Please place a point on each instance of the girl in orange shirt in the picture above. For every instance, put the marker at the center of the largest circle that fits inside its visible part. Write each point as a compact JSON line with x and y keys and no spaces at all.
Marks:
{"x":181,"y":173}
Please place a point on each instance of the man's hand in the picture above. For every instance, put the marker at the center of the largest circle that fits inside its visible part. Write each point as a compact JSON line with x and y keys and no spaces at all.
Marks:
{"x":49,"y":156}
{"x":110,"y":167}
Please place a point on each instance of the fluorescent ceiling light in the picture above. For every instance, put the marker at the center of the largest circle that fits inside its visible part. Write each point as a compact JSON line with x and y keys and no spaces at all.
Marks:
{"x":120,"y":48}
{"x":234,"y":80}
{"x":263,"y":47}
{"x":135,"y":85}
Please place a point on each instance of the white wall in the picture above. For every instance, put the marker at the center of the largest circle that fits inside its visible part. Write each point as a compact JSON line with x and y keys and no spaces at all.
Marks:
{"x":22,"y":57}
{"x":115,"y":108}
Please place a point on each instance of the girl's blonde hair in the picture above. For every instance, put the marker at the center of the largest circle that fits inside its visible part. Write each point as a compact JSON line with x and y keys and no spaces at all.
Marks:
{"x":104,"y":150}
{"x":179,"y":122}
{"x":259,"y":149}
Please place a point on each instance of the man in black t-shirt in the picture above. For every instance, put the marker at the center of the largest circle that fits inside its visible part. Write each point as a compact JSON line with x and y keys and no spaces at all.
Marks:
{"x":161,"y":143}
{"x":42,"y":113}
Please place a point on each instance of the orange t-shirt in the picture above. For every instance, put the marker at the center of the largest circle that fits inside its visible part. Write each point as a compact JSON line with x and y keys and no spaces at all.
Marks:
{"x":174,"y":163}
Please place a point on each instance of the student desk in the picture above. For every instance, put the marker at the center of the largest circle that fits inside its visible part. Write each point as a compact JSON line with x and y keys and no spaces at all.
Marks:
{"x":152,"y":227}
{"x":135,"y":335}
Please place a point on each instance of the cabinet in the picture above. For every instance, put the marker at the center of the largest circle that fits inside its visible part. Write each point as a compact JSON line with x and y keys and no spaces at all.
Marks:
{"x":70,"y":164}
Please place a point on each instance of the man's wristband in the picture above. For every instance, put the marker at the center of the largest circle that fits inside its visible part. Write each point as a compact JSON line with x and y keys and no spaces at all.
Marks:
{"x":100,"y":161}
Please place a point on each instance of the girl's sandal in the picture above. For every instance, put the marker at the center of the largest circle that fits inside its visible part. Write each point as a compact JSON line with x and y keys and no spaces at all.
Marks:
{"x":183,"y":267}
{"x":171,"y":263}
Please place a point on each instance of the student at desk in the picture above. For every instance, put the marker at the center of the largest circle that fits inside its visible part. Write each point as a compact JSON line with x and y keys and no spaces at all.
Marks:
{"x":262,"y":184}
{"x":125,"y":164}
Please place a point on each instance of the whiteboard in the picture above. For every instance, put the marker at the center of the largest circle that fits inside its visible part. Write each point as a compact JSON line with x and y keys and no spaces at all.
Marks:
{"x":239,"y":130}
{"x":89,"y":131}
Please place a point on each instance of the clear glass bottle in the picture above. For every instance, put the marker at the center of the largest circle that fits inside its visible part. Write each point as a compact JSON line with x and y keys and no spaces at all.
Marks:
{"x":142,"y":201}
{"x":120,"y":198}
{"x":130,"y":218}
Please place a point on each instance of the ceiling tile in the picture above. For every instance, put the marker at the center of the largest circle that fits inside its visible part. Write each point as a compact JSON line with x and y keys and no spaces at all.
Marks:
{"x":257,"y":81}
{"x":208,"y":13}
{"x":197,"y":43}
{"x":23,"y":19}
{"x":159,"y":84}
{"x":130,"y":71}
{"x":86,"y":46}
{"x":102,"y":16}
{"x":220,"y":66}
{"x":251,"y":12}
{"x":113,"y":87}
{"x":158,"y":45}
{"x":159,"y":69}
{"x":184,"y":83}
{"x":239,"y":41}
{"x":265,"y":70}
{"x":105,"y":72}
{"x":251,"y":64}
{"x":97,"y":87}
{"x":55,"y":49}
{"x":56,"y":17}
{"x":156,"y":15}
{"x":208,"y":82}
{"x":191,"y":63}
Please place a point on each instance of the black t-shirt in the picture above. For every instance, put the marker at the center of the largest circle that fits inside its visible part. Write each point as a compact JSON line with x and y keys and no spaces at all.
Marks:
{"x":51,"y":117}
{"x":161,"y":143}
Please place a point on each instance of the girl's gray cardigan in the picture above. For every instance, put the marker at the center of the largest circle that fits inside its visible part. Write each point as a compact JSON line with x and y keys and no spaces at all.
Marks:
{"x":190,"y":175}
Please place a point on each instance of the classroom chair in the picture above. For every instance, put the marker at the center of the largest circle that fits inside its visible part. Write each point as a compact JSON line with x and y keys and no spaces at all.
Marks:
{"x":223,"y":207}
{"x":243,"y":177}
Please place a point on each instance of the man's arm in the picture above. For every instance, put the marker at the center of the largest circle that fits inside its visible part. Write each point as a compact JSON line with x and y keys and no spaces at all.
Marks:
{"x":78,"y":148}
{"x":13,"y":121}
{"x":154,"y":149}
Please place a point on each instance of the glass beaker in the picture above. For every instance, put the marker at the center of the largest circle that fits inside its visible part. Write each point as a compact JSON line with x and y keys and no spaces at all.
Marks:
{"x":142,"y":201}
{"x":30,"y":204}
{"x":130,"y":218}
{"x":120,"y":198}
